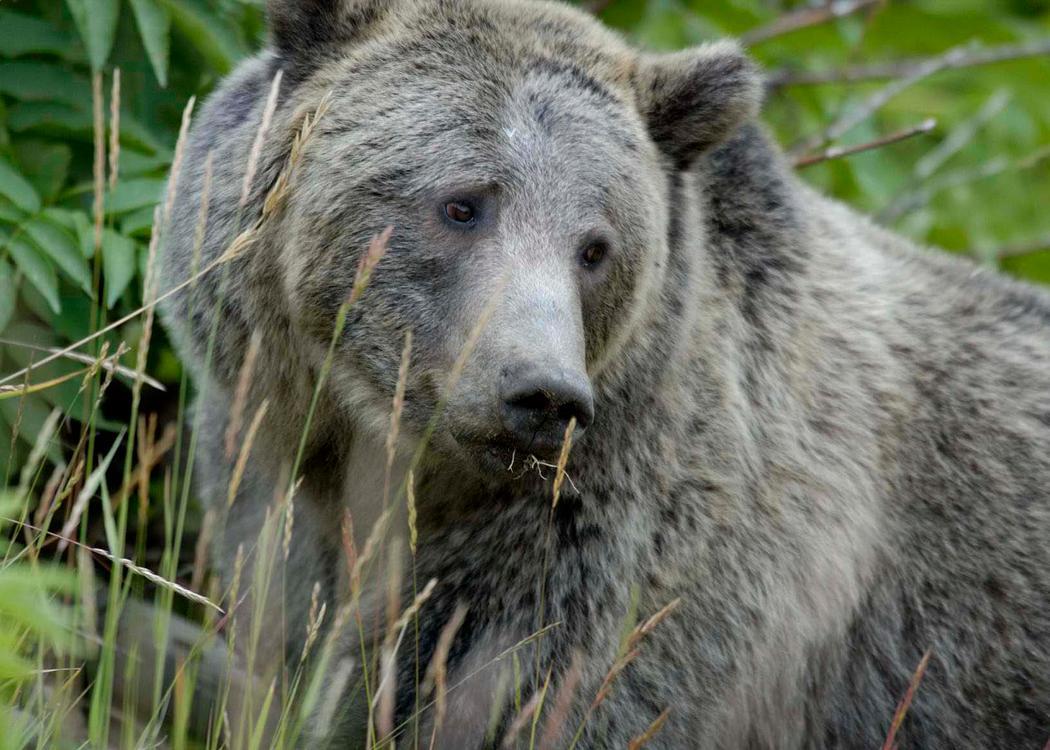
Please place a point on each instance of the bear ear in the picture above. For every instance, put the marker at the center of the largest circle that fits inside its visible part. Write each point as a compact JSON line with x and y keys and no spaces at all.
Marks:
{"x":695,"y":99}
{"x":305,"y":31}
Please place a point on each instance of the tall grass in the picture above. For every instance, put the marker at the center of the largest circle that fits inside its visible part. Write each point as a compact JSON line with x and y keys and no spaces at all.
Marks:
{"x":101,"y":668}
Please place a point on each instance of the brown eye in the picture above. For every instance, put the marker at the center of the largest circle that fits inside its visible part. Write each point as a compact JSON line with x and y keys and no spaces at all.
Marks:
{"x":594,"y":253}
{"x":459,"y":212}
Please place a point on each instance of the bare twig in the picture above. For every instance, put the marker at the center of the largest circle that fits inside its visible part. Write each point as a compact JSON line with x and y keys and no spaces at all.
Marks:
{"x":1017,"y":249}
{"x":957,"y":178}
{"x":806,"y":17}
{"x":837,"y":152}
{"x":905,"y":68}
{"x":597,"y":6}
{"x":961,"y":135}
{"x":858,"y":114}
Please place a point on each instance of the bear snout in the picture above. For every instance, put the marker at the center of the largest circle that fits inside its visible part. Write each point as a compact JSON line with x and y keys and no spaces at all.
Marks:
{"x":537,"y":404}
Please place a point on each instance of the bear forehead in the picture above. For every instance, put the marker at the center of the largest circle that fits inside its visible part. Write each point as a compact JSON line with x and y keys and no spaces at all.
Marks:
{"x":464,"y":40}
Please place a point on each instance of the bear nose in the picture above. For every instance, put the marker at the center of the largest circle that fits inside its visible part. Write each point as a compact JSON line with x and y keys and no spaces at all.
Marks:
{"x":537,"y":404}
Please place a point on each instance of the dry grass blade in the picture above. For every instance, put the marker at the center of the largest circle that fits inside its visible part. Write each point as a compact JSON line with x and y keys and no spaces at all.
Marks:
{"x":371,"y":545}
{"x":201,"y":229}
{"x":99,"y":171}
{"x":631,"y":651}
{"x":610,"y":677}
{"x":385,"y":691}
{"x":527,"y":715}
{"x":314,"y":622}
{"x":643,"y":739}
{"x":336,"y":690}
{"x":200,"y":551}
{"x":149,"y":575}
{"x":367,"y":265}
{"x":649,"y":625}
{"x":260,"y":138}
{"x":150,"y":457}
{"x":11,"y":391}
{"x":246,"y":449}
{"x":410,"y":500}
{"x":91,"y":485}
{"x":559,"y":715}
{"x":114,"y":129}
{"x":905,"y":704}
{"x":395,"y":419}
{"x":176,"y":162}
{"x":106,"y":363}
{"x":36,"y":455}
{"x":281,"y":186}
{"x":240,"y":394}
{"x":436,"y":677}
{"x":563,"y":459}
{"x":346,"y":528}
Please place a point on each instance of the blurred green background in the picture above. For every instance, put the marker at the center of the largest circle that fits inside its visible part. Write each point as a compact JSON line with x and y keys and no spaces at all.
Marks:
{"x":842,"y":73}
{"x":978,"y":183}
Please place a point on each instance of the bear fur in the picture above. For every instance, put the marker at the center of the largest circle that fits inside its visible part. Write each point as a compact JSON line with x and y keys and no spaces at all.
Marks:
{"x":830,"y":445}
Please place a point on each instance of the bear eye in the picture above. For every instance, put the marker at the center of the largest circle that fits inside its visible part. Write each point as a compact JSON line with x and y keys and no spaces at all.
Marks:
{"x":594,"y":253}
{"x":460,"y":212}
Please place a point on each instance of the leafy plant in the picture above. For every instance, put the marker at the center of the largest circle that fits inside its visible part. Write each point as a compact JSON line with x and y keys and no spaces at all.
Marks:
{"x":91,"y":98}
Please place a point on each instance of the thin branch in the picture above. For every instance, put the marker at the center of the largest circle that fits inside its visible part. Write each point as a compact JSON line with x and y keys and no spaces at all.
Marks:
{"x":1018,"y":249}
{"x":992,"y":168}
{"x":806,"y":17}
{"x":858,"y":114}
{"x":838,"y":152}
{"x":938,"y":156}
{"x":960,"y":136}
{"x":597,"y":6}
{"x":905,"y":68}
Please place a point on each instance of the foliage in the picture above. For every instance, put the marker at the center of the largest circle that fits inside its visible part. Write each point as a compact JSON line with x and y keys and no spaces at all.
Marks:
{"x":978,"y":183}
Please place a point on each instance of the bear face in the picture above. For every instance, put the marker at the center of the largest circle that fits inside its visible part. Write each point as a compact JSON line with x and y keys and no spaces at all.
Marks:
{"x":524,"y":178}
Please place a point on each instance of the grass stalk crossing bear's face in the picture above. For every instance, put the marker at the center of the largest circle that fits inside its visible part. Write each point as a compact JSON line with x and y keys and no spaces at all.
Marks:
{"x":526,"y":180}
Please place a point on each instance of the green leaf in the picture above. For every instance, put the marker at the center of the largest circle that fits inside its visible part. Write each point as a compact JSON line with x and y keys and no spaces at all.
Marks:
{"x":212,"y":37}
{"x":97,"y":22}
{"x":154,"y":23}
{"x":45,"y":165}
{"x":14,"y":186}
{"x":131,"y":195}
{"x":64,"y":121}
{"x":118,"y":264}
{"x":37,"y":269}
{"x":21,"y":34}
{"x":134,"y":163}
{"x":8,"y":213}
{"x":138,"y":223}
{"x":34,"y":414}
{"x":36,"y":81}
{"x":7,"y":293}
{"x":62,"y":248}
{"x":85,"y":231}
{"x":63,"y":217}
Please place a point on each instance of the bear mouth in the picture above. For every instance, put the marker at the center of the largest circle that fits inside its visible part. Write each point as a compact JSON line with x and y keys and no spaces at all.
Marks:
{"x":502,"y":456}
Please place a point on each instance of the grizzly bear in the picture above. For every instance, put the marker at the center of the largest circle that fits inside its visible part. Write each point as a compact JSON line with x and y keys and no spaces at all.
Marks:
{"x":824,"y":447}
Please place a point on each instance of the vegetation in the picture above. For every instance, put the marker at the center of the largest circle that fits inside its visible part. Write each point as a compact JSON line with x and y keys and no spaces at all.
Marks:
{"x":944,"y":104}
